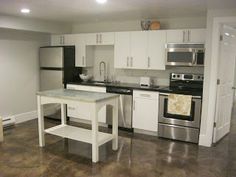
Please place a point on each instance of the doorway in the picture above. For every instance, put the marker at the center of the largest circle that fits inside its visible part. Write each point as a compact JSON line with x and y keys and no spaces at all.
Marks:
{"x":226,"y":82}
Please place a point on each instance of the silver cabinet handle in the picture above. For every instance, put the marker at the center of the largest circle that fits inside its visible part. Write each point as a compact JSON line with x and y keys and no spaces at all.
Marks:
{"x":127,"y":64}
{"x":131,"y":62}
{"x":188,"y":35}
{"x":100,"y":38}
{"x":145,"y":95}
{"x":148,"y":62}
{"x":83,"y":60}
{"x":71,"y":108}
{"x":61,"y":39}
{"x":183,"y":36}
{"x":96,"y":38}
{"x":134,"y":105}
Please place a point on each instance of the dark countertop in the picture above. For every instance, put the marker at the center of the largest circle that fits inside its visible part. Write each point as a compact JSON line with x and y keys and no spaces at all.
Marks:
{"x":120,"y":85}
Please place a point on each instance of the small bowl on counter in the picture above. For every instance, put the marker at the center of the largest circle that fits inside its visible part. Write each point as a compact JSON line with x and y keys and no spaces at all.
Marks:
{"x":85,"y":77}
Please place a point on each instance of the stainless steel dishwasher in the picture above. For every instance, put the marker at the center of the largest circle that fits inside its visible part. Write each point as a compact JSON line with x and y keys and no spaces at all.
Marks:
{"x":125,"y":108}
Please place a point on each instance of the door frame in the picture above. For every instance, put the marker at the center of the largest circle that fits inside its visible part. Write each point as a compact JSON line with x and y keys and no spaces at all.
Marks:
{"x":210,"y":83}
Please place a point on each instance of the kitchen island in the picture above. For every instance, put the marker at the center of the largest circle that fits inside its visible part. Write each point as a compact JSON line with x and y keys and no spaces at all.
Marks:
{"x":94,"y":101}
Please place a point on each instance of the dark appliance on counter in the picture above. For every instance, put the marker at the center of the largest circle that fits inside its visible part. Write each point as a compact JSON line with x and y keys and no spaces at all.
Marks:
{"x":181,"y":127}
{"x":57,"y":67}
{"x":125,"y":107}
{"x":185,"y":54}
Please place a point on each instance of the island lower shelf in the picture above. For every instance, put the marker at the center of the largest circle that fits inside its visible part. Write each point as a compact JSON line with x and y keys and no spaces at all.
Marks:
{"x":78,"y":134}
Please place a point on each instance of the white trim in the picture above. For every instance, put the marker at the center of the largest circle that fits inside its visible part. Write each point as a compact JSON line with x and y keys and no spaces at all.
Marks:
{"x":23,"y":117}
{"x":207,"y":137}
{"x":204,"y":141}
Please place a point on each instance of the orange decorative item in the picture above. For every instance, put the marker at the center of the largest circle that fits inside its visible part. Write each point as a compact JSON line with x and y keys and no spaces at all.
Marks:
{"x":155,"y":25}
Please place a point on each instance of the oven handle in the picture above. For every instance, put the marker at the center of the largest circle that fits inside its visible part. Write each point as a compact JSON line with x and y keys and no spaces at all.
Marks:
{"x":194,"y":97}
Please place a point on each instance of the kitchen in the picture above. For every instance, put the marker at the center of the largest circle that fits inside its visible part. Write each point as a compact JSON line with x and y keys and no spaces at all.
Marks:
{"x":116,"y":56}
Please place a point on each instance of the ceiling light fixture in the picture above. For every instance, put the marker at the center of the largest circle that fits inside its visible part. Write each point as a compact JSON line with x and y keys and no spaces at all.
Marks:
{"x":101,"y":1}
{"x":227,"y":34}
{"x":25,"y":11}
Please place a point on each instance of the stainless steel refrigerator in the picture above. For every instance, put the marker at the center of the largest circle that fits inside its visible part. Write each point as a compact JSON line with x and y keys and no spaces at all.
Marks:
{"x":57,"y":67}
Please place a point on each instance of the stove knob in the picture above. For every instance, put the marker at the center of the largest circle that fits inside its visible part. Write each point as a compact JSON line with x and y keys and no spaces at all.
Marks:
{"x":178,"y":76}
{"x":174,"y":76}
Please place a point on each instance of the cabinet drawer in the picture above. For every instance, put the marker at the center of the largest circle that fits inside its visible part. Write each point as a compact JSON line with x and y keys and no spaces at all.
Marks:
{"x":145,"y":94}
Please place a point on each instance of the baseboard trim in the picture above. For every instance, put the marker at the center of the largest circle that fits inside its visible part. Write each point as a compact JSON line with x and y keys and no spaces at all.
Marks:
{"x":23,"y":117}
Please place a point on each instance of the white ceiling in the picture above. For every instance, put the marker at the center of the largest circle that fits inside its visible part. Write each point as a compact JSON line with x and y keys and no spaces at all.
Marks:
{"x":89,"y":10}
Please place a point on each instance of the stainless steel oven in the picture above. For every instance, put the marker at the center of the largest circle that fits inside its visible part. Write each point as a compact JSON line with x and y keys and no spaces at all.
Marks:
{"x":177,"y":126}
{"x":185,"y":54}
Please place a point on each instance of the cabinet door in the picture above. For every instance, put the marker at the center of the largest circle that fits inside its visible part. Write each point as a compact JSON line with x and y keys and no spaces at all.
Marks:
{"x":138,"y":49}
{"x":156,"y":50}
{"x":106,"y":38}
{"x":69,"y":39}
{"x":197,"y":35}
{"x":92,"y":38}
{"x":122,"y":50}
{"x":57,"y":40}
{"x":80,"y":51}
{"x":176,"y":36}
{"x":145,"y":114}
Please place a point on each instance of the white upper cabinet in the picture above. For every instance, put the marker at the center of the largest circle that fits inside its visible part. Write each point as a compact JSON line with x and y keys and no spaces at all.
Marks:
{"x":156,"y":50}
{"x":122,"y":50}
{"x":66,"y":39}
{"x":138,"y":48}
{"x":197,"y":35}
{"x":186,"y":36}
{"x":100,"y":39}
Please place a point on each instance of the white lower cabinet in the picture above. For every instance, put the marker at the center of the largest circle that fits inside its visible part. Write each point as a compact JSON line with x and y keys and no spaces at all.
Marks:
{"x":76,"y":111}
{"x":145,"y":110}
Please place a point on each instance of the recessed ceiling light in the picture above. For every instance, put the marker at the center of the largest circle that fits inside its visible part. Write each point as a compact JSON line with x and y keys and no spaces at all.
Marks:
{"x":25,"y":11}
{"x":101,"y":1}
{"x":227,"y":34}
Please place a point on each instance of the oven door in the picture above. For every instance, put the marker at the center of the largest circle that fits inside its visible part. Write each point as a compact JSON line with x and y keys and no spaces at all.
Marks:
{"x":180,"y":56}
{"x":190,"y":121}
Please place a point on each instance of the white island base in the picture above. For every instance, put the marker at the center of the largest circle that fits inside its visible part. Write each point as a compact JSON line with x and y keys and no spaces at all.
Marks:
{"x":95,"y":101}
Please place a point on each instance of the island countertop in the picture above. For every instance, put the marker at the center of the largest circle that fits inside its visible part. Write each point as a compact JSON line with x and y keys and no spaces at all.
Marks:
{"x":77,"y":95}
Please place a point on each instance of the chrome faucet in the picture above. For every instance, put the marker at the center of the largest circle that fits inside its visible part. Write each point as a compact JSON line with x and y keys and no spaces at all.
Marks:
{"x":102,"y":63}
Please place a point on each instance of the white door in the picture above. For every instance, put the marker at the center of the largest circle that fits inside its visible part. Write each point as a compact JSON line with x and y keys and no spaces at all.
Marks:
{"x":156,"y":50}
{"x":122,"y":50}
{"x":225,"y":93}
{"x":138,"y":49}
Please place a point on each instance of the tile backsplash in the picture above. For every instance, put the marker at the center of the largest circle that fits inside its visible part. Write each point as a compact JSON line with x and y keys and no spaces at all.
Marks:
{"x":106,"y":54}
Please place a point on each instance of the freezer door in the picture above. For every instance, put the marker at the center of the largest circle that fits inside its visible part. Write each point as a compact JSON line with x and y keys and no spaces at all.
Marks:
{"x":51,"y":57}
{"x":51,"y":79}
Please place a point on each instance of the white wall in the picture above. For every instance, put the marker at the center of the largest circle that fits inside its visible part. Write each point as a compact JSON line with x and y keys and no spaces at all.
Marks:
{"x":134,"y":25}
{"x":28,"y":24}
{"x":209,"y":93}
{"x":19,"y":71}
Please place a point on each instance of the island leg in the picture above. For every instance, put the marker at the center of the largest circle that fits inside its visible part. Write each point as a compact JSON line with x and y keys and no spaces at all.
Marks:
{"x":115,"y":125}
{"x":40,"y":122}
{"x":63,"y":114}
{"x":95,"y":147}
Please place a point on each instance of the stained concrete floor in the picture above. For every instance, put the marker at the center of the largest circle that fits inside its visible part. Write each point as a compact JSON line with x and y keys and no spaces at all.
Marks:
{"x":138,"y":156}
